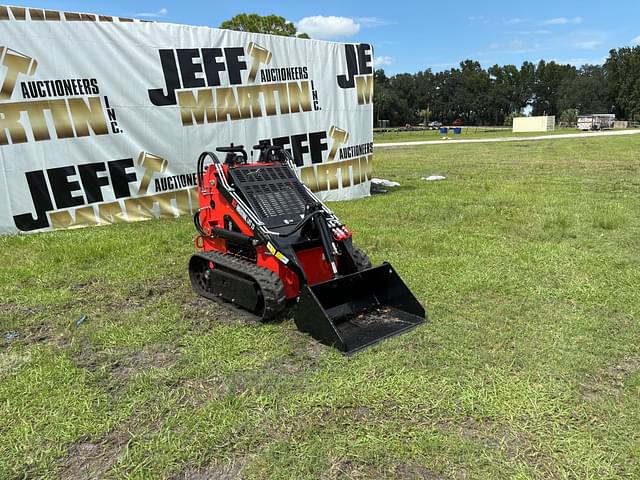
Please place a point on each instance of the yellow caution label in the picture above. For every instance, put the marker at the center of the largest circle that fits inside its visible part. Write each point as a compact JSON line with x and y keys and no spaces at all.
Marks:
{"x":279,"y":255}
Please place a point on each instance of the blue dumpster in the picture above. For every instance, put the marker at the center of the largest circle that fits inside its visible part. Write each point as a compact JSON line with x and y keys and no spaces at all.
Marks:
{"x":444,"y":130}
{"x":457,"y":130}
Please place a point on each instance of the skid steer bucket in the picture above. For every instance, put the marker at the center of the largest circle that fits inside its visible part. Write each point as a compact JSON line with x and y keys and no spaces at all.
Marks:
{"x":358,"y":310}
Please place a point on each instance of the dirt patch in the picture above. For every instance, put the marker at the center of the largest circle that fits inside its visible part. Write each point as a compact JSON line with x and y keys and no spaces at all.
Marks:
{"x":610,"y":381}
{"x":11,"y":362}
{"x":293,"y":367}
{"x":515,"y":446}
{"x":96,"y":292}
{"x":361,"y":413}
{"x":202,"y":390}
{"x":624,"y":368}
{"x":151,"y":288}
{"x":87,"y":460}
{"x":313,"y":348}
{"x":43,"y":333}
{"x":376,"y":316}
{"x":344,"y":468}
{"x":491,"y":436}
{"x":306,"y":348}
{"x":130,"y":363}
{"x":121,"y":364}
{"x":415,"y":471}
{"x":204,"y":313}
{"x":158,"y":287}
{"x":38,"y":333}
{"x":90,"y":284}
{"x":228,"y":471}
{"x":18,"y":310}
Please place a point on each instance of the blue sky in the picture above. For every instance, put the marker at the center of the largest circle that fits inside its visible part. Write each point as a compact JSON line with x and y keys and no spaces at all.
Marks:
{"x":410,"y":36}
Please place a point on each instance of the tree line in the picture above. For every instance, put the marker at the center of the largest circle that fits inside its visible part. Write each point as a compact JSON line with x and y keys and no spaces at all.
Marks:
{"x":495,"y":95}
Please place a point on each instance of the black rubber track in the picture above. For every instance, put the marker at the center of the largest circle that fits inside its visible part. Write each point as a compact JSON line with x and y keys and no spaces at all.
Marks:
{"x":267,"y":282}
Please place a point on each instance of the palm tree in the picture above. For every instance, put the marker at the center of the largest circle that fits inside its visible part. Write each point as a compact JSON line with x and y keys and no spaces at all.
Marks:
{"x":425,"y":113}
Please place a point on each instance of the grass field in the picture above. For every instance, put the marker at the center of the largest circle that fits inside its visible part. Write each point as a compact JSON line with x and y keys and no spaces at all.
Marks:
{"x":527,"y":258}
{"x":467,"y":133}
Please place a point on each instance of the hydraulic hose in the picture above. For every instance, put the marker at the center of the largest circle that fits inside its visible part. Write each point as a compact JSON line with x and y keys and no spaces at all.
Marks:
{"x":200,"y":165}
{"x":196,"y":223}
{"x":300,"y":224}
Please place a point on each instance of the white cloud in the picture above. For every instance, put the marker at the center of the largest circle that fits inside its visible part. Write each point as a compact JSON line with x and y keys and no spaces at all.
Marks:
{"x":579,"y":62}
{"x":587,"y":40}
{"x":382,"y":61}
{"x":328,"y":27}
{"x":636,"y":41}
{"x":160,"y":13}
{"x":562,"y":21}
{"x":587,"y":44}
{"x":534,"y":32}
{"x":370,"y":22}
{"x":514,"y":46}
{"x":443,"y":65}
{"x":478,"y":19}
{"x":515,"y":21}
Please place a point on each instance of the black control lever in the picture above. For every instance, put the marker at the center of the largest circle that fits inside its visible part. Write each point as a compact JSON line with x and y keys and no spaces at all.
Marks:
{"x":267,"y":146}
{"x":268,"y":152}
{"x":233,"y":149}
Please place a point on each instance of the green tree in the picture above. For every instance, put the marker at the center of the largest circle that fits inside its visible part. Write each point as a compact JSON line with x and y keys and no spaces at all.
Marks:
{"x":471,"y":100}
{"x":622,"y":70}
{"x":389,"y":102}
{"x":569,"y":116}
{"x":588,"y":92}
{"x":508,"y":121}
{"x":495,"y":95}
{"x":448,"y":100}
{"x":510,"y":92}
{"x":271,"y":24}
{"x":546,"y":89}
{"x":425,"y":113}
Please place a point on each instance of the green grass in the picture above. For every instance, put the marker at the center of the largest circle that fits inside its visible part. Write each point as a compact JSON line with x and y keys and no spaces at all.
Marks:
{"x":527,"y":258}
{"x":467,"y":133}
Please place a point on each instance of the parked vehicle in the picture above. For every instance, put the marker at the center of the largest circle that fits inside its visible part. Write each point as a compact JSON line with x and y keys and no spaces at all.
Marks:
{"x":598,"y":121}
{"x":269,"y":246}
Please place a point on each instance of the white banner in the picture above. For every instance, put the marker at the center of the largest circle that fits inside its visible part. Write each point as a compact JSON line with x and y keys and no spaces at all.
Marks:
{"x":102,"y":118}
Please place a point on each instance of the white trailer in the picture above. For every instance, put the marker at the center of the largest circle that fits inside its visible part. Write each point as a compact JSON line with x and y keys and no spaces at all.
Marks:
{"x":596,"y":121}
{"x":546,"y":123}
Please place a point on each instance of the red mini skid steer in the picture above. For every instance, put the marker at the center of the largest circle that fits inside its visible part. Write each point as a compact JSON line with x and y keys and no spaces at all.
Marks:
{"x":268,"y":243}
